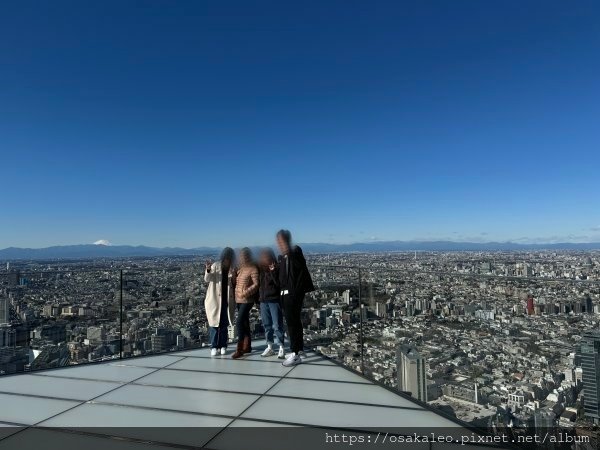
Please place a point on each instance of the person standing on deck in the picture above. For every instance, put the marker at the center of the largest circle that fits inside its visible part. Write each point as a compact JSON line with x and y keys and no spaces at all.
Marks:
{"x":295,"y":281}
{"x":219,"y":302}
{"x":246,"y":293}
{"x":270,"y":303}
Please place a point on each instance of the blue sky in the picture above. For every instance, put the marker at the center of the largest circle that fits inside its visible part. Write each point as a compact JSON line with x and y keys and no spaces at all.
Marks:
{"x":211,"y":123}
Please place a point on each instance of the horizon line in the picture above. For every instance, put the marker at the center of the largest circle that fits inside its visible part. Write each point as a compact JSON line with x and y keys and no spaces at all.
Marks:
{"x":338,"y":244}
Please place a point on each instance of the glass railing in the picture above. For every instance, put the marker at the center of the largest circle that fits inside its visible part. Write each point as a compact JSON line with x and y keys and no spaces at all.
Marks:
{"x":53,"y":318}
{"x":161,"y":310}
{"x":496,"y":352}
{"x":71,"y":316}
{"x":493,"y":351}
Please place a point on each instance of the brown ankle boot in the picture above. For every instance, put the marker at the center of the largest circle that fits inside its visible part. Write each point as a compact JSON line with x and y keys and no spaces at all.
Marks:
{"x":247,"y":348}
{"x":239,"y":351}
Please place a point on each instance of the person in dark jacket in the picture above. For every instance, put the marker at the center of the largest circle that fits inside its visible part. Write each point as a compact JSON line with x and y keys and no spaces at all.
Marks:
{"x":295,"y":281}
{"x":270,"y":302}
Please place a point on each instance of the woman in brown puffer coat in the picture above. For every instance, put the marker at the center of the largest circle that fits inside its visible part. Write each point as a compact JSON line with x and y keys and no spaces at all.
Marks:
{"x":246,"y":293}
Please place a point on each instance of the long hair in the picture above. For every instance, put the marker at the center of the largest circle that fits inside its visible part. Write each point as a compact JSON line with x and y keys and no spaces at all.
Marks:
{"x":229,"y":254}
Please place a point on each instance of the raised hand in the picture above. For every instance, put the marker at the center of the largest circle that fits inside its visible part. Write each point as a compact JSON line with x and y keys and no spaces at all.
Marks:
{"x":272,"y":267}
{"x":208,"y":265}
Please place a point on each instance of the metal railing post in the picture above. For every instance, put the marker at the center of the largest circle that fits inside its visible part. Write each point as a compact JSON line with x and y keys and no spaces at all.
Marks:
{"x":121,"y":314}
{"x":360,"y":310}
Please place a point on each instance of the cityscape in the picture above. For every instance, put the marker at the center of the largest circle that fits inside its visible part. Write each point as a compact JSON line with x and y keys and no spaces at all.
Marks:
{"x":402,"y":192}
{"x":499,"y":340}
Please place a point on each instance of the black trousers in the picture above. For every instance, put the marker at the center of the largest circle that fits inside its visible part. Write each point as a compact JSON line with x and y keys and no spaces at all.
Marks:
{"x":292,"y":309}
{"x":242,"y":321}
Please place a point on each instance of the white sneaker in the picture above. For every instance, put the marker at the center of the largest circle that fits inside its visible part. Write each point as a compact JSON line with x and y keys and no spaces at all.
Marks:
{"x":281,"y":353}
{"x":268,"y":352}
{"x":213,"y":352}
{"x":223,"y":350}
{"x":292,"y":360}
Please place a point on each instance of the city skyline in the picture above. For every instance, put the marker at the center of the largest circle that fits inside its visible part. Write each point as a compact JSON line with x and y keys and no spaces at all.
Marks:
{"x":482,"y":239}
{"x":104,"y":248}
{"x":142,"y":124}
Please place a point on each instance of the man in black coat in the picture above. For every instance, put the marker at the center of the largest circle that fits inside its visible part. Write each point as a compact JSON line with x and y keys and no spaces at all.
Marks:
{"x":295,"y":281}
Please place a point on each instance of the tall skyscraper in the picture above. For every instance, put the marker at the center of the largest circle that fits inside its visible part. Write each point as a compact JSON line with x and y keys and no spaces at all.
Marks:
{"x":411,"y":372}
{"x":4,"y":310}
{"x":590,"y":363}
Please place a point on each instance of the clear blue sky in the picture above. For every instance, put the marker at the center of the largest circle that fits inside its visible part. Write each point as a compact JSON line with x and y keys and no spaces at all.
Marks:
{"x":210,"y":123}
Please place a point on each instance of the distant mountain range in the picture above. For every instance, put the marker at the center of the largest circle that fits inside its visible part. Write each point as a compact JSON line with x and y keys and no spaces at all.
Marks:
{"x":96,"y":251}
{"x":87,"y":251}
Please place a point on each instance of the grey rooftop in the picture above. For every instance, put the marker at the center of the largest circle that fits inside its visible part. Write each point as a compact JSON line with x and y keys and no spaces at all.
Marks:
{"x":132,"y":403}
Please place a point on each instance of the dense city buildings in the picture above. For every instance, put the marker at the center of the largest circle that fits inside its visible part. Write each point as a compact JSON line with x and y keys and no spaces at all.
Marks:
{"x":496,"y":339}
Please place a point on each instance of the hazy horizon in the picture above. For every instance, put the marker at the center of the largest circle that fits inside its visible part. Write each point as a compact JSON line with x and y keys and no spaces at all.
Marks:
{"x":271,"y":243}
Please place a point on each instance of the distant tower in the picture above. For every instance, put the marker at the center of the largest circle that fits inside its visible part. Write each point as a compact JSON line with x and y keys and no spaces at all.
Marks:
{"x":530,"y":305}
{"x":7,"y":266}
{"x":411,"y":372}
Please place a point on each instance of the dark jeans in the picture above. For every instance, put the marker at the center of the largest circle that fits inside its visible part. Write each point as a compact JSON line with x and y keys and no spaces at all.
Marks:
{"x":272,"y":319}
{"x":242,"y":322}
{"x":218,"y":336}
{"x":292,"y":308}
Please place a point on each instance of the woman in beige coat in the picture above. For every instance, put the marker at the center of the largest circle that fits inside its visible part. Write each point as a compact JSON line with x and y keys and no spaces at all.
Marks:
{"x":219,"y":302}
{"x":246,"y":293}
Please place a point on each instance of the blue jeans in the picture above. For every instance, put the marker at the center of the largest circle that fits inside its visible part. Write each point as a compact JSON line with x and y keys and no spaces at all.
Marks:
{"x":272,"y":319}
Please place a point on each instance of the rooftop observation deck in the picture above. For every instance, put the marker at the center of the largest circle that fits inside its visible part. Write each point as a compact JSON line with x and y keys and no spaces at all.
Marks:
{"x":189,"y":400}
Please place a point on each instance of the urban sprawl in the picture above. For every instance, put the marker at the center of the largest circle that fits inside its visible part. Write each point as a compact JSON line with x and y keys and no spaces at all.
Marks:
{"x":499,"y":340}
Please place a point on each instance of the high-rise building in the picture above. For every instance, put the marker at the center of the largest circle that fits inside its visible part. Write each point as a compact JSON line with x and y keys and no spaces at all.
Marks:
{"x":590,"y":364}
{"x":411,"y":372}
{"x":346,"y":296}
{"x":4,"y":310}
{"x":530,"y":305}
